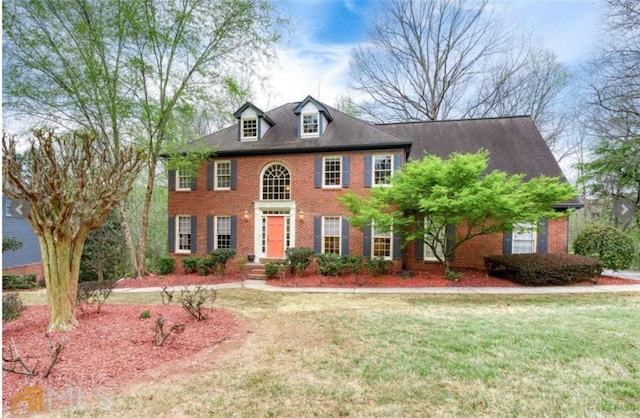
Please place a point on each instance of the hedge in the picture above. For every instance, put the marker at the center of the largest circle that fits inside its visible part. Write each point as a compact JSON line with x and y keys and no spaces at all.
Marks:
{"x":19,"y":281}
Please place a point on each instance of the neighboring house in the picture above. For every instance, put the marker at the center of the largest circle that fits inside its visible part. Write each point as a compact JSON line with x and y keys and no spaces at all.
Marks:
{"x":27,"y":258}
{"x":276,"y":176}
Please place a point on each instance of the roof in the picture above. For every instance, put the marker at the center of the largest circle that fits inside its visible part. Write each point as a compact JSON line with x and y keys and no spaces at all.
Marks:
{"x":514,"y":143}
{"x":344,"y":132}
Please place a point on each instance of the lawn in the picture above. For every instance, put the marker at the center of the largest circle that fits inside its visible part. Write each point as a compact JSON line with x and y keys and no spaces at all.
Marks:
{"x":403,"y":355}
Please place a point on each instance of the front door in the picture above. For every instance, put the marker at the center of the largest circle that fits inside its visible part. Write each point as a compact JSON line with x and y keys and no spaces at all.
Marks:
{"x":275,"y":236}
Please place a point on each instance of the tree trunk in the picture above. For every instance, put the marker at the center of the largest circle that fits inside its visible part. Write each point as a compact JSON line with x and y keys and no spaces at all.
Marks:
{"x":61,"y":266}
{"x":151,"y":178}
{"x":129,"y":241}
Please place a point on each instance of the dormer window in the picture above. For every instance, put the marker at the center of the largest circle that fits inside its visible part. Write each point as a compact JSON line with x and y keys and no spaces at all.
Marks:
{"x":250,"y":128}
{"x":310,"y":124}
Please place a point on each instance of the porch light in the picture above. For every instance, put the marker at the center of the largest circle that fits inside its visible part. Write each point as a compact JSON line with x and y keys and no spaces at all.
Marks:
{"x":246,"y":215}
{"x":301,"y":214}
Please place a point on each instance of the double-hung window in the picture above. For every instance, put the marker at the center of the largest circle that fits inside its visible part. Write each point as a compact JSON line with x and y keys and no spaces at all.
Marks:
{"x":524,"y":239}
{"x":332,"y":171}
{"x":223,"y":175}
{"x":331,"y":235}
{"x":310,"y":124}
{"x":433,"y":241}
{"x":250,"y":128}
{"x":223,"y":232}
{"x":183,"y":180}
{"x":382,"y":169}
{"x":381,"y":242}
{"x":183,"y":234}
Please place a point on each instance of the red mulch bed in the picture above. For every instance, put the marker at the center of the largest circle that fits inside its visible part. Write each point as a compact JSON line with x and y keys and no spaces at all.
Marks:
{"x":178,"y":280}
{"x":106,"y":350}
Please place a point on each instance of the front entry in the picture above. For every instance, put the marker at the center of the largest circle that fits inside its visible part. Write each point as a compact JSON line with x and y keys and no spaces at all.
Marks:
{"x":275,"y":236}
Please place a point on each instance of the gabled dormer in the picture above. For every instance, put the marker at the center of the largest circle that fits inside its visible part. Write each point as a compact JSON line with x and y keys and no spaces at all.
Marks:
{"x":253,"y":123}
{"x":313,"y":118}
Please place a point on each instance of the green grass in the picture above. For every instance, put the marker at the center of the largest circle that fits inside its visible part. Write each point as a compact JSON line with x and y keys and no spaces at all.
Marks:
{"x":407,"y":355}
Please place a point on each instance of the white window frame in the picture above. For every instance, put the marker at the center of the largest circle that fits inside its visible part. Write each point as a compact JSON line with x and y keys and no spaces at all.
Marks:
{"x":386,"y":235}
{"x":428,"y":253}
{"x":243,"y":129}
{"x":286,"y":194}
{"x":180,"y":176}
{"x":216,"y":186}
{"x":217,"y":231}
{"x":373,"y":170}
{"x":180,"y":249}
{"x":528,"y":234}
{"x":324,"y":172}
{"x":304,"y":125}
{"x":324,"y":235}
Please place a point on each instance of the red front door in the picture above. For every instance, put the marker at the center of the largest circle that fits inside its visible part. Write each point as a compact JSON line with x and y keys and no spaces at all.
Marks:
{"x":275,"y":237}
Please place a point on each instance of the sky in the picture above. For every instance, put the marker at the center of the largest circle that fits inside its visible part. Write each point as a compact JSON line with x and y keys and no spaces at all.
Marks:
{"x":314,"y":56}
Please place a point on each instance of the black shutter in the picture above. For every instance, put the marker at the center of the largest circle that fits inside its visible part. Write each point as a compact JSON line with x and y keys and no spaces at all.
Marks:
{"x":367,"y":171}
{"x":317,"y":234}
{"x":317,"y":172}
{"x":210,"y":234}
{"x":450,"y":233}
{"x":210,"y":175}
{"x":397,"y":246}
{"x":542,"y":235}
{"x":171,"y":237}
{"x":507,"y":242}
{"x":345,"y":237}
{"x":366,"y":242}
{"x":194,"y":234}
{"x":234,"y":236}
{"x":172,"y":180}
{"x":346,"y":171}
{"x":194,"y":182}
{"x":234,"y":174}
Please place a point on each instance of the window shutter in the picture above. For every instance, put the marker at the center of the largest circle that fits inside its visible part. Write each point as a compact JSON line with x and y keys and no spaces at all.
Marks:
{"x":194,"y":182}
{"x":210,"y":233}
{"x":344,"y":245}
{"x":366,"y":242}
{"x":542,"y":235}
{"x":317,"y":172}
{"x":367,"y":171}
{"x":419,"y":248}
{"x":210,"y":175}
{"x":234,"y":174}
{"x":397,"y":162}
{"x":506,"y":242}
{"x":171,"y":238}
{"x":397,"y":246}
{"x":194,"y":234}
{"x":450,"y":233}
{"x":317,"y":234}
{"x":234,"y":226}
{"x":346,"y":172}
{"x":172,"y":180}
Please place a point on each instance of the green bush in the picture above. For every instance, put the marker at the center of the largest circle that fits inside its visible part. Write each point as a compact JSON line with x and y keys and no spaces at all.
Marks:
{"x":219,"y":258}
{"x":165,"y":265}
{"x":608,"y":244}
{"x":202,"y":265}
{"x":146,"y":314}
{"x":378,"y":266}
{"x":272,"y":269}
{"x":19,"y":281}
{"x":543,"y":269}
{"x":330,"y":264}
{"x":11,"y":307}
{"x":299,"y":259}
{"x":190,"y":264}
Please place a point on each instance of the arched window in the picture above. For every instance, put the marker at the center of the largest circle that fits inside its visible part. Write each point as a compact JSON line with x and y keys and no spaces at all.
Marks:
{"x":276,"y":183}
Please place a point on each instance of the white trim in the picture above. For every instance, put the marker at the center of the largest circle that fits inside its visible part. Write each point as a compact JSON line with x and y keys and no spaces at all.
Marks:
{"x":322,"y":234}
{"x":528,"y":234}
{"x":179,"y":250}
{"x":182,"y":189}
{"x":261,"y":206}
{"x":261,"y":180}
{"x":310,"y":134}
{"x":373,"y":236}
{"x":439,"y":249}
{"x":215,"y":230}
{"x":373,"y":169}
{"x":242,"y":135}
{"x":215,"y":175}
{"x":324,"y":166}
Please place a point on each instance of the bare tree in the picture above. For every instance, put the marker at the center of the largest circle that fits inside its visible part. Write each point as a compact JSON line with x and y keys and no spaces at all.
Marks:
{"x":71,"y":183}
{"x":438,"y":59}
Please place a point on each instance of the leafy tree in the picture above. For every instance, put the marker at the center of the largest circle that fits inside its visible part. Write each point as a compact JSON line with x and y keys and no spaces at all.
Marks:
{"x":103,"y":255}
{"x":72,"y":183}
{"x":437,"y":59}
{"x":134,"y":70}
{"x":612,"y":247}
{"x":427,"y":195}
{"x":11,"y":244}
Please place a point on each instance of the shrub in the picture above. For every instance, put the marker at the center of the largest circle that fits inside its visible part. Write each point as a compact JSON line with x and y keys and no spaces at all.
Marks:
{"x":299,"y":259}
{"x":11,"y":307}
{"x":219,"y":258}
{"x":543,"y":269}
{"x":146,"y":314}
{"x":203,"y":264}
{"x":272,"y":269}
{"x":190,"y":264}
{"x":194,"y":302}
{"x":165,"y":265}
{"x":378,"y":266}
{"x":19,"y":281}
{"x":352,"y":263}
{"x":608,"y":244}
{"x":94,"y":292}
{"x":330,"y":264}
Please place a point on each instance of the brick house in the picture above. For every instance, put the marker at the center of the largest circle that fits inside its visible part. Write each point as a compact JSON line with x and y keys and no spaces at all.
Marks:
{"x":274,"y":181}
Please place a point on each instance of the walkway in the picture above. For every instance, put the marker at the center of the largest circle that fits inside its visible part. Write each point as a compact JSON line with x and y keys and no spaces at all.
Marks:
{"x":264,"y":286}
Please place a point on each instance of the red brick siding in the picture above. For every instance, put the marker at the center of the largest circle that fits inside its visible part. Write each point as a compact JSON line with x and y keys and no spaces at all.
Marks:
{"x":35,"y":268}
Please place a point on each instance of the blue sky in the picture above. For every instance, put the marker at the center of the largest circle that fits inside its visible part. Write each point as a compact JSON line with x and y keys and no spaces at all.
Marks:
{"x":314,"y":58}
